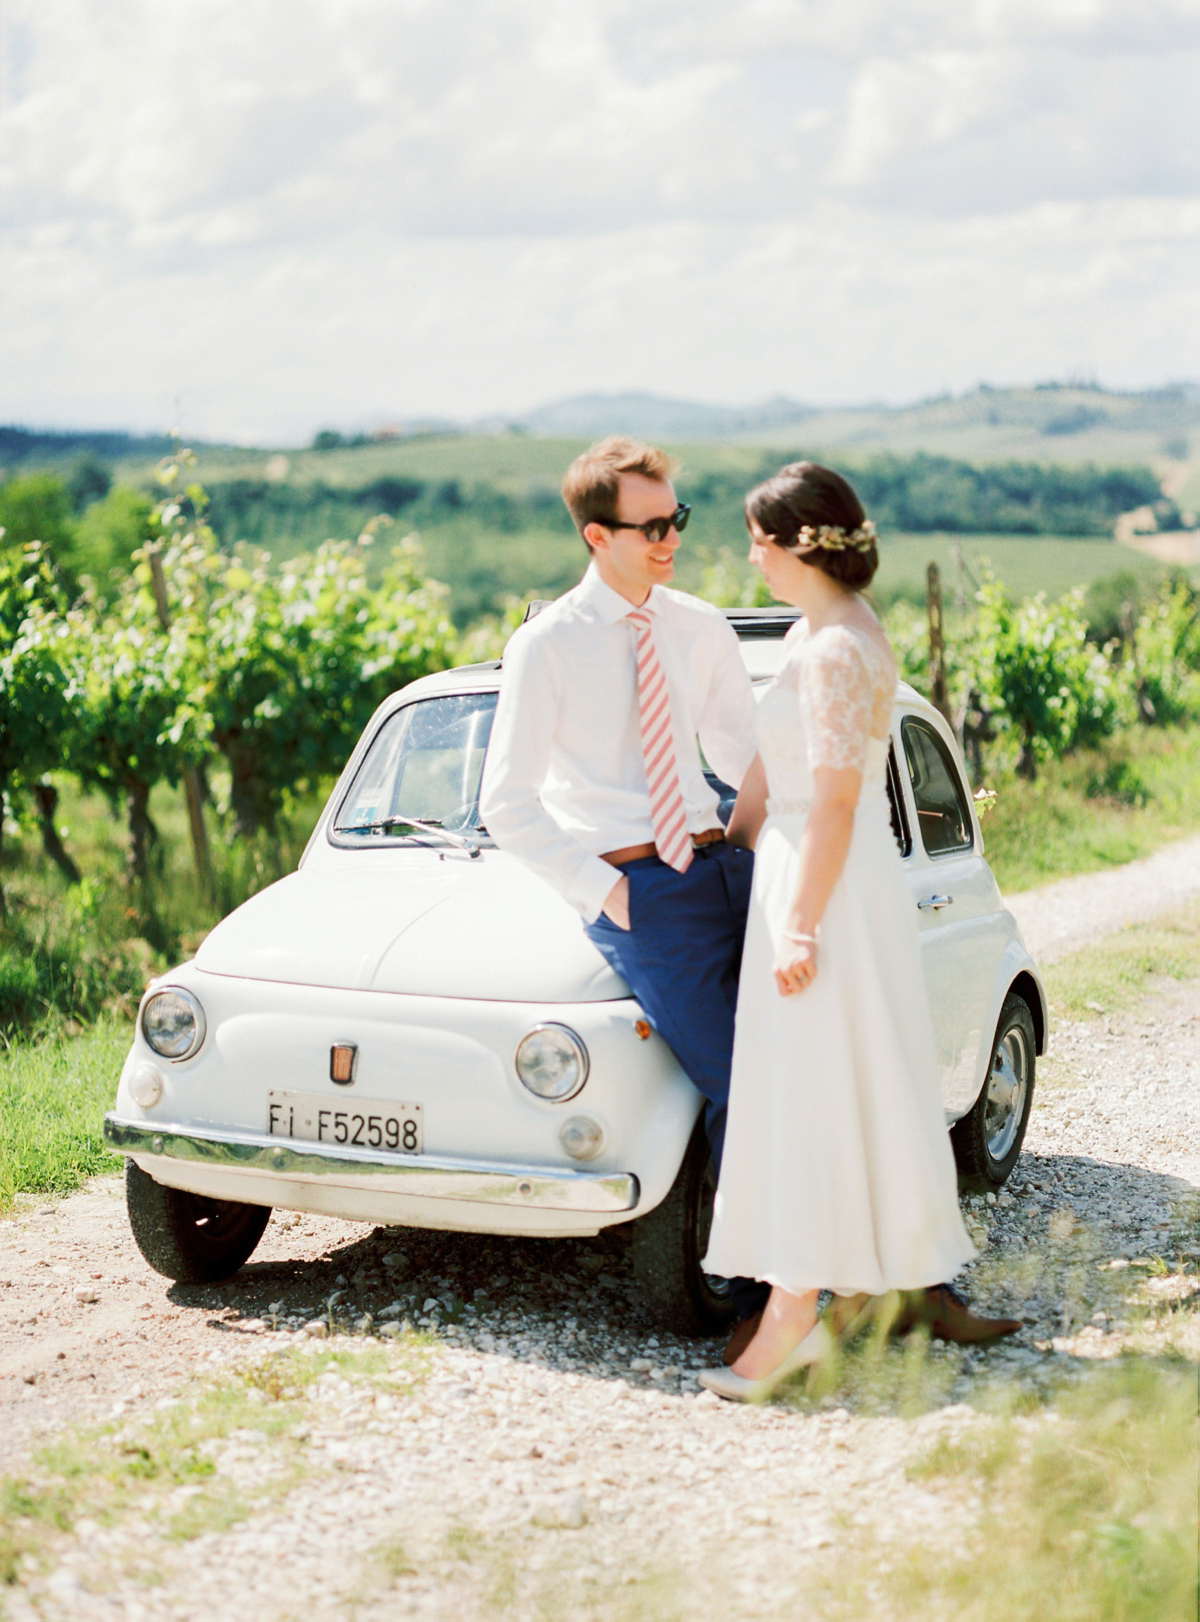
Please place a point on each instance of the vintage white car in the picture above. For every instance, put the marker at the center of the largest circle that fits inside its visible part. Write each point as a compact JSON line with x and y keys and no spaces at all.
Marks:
{"x":413,"y":1029}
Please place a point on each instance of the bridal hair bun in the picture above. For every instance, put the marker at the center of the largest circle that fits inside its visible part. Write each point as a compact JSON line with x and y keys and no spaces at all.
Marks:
{"x":813,"y":512}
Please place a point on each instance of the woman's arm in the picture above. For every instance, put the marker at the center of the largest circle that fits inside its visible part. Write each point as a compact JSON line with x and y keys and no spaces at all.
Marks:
{"x":750,"y":812}
{"x":823,"y":847}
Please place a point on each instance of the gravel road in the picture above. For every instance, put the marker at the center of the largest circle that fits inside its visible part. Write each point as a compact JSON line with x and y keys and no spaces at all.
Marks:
{"x":516,"y":1437}
{"x":1059,"y":918}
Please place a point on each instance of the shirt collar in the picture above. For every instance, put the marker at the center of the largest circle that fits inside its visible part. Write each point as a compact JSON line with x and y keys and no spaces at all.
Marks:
{"x":608,"y":605}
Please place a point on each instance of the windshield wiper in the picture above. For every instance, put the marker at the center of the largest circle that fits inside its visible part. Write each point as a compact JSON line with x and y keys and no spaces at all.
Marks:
{"x":386,"y":824}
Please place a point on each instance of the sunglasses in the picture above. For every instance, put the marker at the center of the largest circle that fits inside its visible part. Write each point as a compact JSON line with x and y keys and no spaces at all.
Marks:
{"x":655,"y":529}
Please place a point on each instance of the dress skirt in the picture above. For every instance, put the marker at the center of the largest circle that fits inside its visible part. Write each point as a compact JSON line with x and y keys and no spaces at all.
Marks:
{"x":837,"y":1171}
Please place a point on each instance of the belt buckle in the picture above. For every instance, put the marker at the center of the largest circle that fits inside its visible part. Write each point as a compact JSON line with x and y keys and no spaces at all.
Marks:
{"x":707,"y":837}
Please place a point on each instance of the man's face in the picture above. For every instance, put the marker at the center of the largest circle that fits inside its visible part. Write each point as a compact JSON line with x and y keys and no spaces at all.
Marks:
{"x":624,"y":558}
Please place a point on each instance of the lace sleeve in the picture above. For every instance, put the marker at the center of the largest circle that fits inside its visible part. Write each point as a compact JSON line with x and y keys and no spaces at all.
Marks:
{"x":837,"y":700}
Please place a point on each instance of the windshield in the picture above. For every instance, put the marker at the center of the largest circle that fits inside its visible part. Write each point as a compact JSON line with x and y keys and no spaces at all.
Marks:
{"x":423,"y":767}
{"x":762,"y":656}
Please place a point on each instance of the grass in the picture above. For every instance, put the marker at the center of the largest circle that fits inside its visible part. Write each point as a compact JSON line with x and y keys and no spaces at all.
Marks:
{"x":881,"y":1376}
{"x":1117,"y":972}
{"x":1089,"y":1515}
{"x":1077,"y":1508}
{"x":1026,"y":563}
{"x":170,"y":915}
{"x":1096,"y":808}
{"x":53,"y":1095}
{"x":106,"y":1473}
{"x":1068,"y":1501}
{"x":70,"y":953}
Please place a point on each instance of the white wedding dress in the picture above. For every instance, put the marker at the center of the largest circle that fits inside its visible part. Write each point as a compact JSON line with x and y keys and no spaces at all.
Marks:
{"x":837,"y":1171}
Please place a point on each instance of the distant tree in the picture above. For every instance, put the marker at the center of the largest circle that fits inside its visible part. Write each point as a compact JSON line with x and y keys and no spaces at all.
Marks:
{"x":1165,"y":650}
{"x":285,"y":666}
{"x":296,"y":662}
{"x":19,"y":445}
{"x":328,"y":439}
{"x":921,"y":493}
{"x":131,"y":680}
{"x":390,"y":495}
{"x":1113,"y":604}
{"x":35,"y":686}
{"x":1040,"y":676}
{"x":109,"y":533}
{"x":136,"y":720}
{"x":88,"y":481}
{"x":730,"y":585}
{"x":37,"y":508}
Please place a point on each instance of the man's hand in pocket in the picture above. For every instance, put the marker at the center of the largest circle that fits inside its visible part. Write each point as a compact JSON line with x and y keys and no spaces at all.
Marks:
{"x":616,"y":908}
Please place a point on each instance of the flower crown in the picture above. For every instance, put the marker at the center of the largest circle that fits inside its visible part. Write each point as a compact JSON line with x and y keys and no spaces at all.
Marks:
{"x":833,"y":538}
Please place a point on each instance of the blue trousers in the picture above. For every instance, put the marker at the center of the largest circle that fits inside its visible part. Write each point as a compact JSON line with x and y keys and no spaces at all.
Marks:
{"x":681,"y":958}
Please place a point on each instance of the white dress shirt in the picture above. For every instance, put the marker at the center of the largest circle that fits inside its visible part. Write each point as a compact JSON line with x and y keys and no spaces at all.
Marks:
{"x":565,"y":779}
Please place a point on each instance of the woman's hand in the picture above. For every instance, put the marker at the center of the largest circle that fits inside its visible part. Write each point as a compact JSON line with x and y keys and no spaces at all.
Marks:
{"x":795,"y":965}
{"x":750,"y":811}
{"x":823,"y":846}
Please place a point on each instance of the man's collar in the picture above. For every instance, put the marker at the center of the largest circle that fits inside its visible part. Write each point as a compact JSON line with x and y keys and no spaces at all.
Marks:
{"x":608,"y":605}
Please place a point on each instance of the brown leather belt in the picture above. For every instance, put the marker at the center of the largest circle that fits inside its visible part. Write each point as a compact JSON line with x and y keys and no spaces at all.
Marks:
{"x":639,"y":853}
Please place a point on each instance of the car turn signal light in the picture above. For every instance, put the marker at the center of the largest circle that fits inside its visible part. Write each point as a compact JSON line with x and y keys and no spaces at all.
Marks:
{"x":343,"y":1061}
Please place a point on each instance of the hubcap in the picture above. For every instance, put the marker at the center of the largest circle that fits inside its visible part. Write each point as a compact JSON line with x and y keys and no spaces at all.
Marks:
{"x":1008,"y":1086}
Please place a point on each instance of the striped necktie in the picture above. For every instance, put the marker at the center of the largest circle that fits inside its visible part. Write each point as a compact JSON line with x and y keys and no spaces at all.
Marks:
{"x":658,"y":751}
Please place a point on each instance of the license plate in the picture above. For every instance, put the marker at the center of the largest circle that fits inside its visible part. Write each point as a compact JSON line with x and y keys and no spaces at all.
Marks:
{"x":365,"y":1123}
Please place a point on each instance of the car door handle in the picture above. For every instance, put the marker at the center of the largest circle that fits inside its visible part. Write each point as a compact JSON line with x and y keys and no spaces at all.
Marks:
{"x":935,"y":902}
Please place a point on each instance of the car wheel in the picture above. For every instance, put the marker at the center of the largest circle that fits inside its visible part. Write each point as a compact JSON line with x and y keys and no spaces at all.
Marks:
{"x":666,"y":1247}
{"x":187,"y":1237}
{"x":988,"y":1139}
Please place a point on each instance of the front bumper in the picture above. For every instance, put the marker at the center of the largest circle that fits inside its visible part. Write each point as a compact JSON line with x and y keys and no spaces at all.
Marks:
{"x":428,"y":1177}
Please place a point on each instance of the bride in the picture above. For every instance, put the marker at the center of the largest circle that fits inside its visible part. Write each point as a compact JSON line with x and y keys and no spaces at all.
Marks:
{"x":838,"y":1171}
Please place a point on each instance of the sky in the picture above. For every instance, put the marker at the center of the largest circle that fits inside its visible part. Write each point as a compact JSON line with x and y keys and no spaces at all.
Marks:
{"x":260,"y":217}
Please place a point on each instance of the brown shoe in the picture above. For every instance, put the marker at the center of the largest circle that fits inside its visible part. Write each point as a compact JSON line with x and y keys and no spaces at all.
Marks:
{"x":948,"y":1317}
{"x":847,"y":1314}
{"x":743,"y":1334}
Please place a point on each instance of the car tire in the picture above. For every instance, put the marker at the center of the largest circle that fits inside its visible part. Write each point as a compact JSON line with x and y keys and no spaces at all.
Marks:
{"x":667,"y":1245}
{"x":988,"y":1138}
{"x":187,"y":1237}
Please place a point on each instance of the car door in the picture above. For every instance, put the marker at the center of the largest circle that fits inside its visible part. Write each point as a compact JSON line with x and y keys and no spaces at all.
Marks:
{"x":957,"y":901}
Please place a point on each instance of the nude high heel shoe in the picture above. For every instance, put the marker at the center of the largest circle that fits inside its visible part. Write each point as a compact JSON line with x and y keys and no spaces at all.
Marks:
{"x":737,"y":1388}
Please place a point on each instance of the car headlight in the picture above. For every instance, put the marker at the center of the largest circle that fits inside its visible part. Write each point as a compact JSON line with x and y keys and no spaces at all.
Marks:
{"x":173,"y":1023}
{"x":552,"y":1062}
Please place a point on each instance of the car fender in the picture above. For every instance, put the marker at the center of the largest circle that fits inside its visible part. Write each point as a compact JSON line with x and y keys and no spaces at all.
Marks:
{"x":1016,"y":969}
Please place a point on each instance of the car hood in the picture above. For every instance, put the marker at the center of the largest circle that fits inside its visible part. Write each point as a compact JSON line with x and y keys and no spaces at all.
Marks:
{"x":381,"y":921}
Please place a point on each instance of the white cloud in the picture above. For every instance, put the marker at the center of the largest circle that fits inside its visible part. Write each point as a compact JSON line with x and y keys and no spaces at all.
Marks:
{"x":308,"y":210}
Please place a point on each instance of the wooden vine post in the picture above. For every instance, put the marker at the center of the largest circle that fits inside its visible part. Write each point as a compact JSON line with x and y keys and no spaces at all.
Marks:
{"x":937,"y":641}
{"x":191,"y":777}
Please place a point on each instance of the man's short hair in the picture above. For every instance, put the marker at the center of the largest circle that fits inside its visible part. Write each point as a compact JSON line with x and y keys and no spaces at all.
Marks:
{"x":591,"y":485}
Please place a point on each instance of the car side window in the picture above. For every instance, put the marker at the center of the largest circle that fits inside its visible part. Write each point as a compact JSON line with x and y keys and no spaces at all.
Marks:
{"x":896,"y":809}
{"x":942,"y":812}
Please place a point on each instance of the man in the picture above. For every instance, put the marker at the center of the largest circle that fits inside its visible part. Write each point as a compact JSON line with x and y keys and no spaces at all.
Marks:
{"x":594,"y":780}
{"x":594,"y":776}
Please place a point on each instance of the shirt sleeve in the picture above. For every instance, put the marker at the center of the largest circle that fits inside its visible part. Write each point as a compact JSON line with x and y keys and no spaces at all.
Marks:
{"x":837,"y":698}
{"x":518,"y":760}
{"x":726,"y":719}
